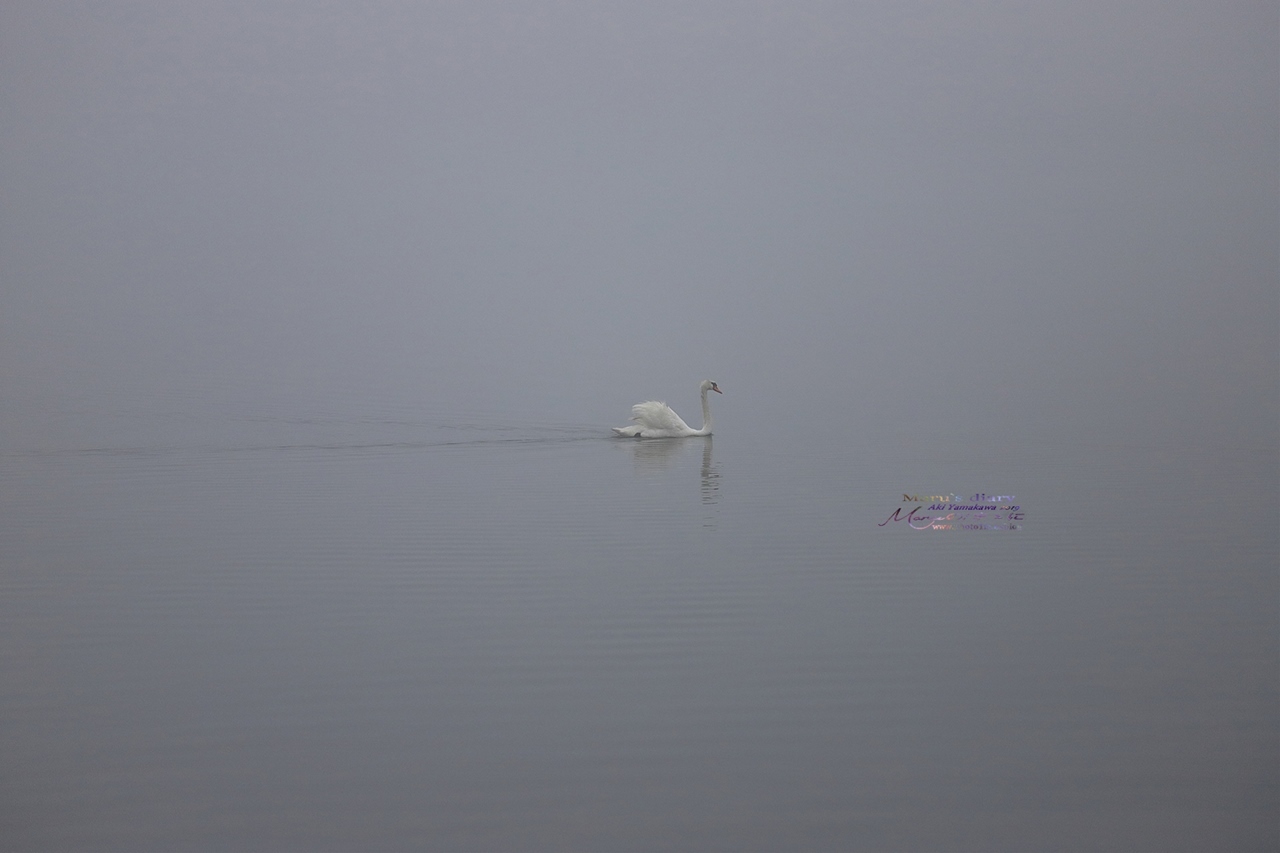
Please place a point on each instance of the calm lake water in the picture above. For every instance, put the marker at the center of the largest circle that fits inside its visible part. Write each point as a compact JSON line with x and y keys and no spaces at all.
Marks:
{"x":413,"y":631}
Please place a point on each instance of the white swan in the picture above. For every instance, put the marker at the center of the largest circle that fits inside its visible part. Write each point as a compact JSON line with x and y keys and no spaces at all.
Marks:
{"x":657,"y":420}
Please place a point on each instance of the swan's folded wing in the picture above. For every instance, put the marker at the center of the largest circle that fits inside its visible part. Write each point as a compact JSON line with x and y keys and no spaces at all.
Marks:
{"x":656,"y":416}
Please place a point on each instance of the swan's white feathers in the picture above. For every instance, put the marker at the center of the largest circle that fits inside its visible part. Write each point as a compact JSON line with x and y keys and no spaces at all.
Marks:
{"x":658,"y":416}
{"x":657,"y":420}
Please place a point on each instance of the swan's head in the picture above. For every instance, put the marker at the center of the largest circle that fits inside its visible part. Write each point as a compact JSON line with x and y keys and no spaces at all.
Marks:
{"x":708,"y":385}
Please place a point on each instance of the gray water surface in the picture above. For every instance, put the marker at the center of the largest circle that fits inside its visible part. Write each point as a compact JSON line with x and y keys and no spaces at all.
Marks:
{"x":314,"y":318}
{"x":435,"y":632}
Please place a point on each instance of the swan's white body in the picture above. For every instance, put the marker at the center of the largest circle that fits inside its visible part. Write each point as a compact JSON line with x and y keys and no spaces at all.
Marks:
{"x":657,"y":420}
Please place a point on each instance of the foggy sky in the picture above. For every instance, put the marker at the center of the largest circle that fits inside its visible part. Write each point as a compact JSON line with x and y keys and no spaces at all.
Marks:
{"x":869,"y":214}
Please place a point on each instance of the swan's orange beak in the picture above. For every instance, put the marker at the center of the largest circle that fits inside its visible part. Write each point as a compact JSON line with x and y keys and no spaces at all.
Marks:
{"x":716,"y":388}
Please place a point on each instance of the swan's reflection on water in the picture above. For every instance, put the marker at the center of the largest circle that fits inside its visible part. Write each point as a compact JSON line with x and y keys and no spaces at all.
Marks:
{"x":652,"y":456}
{"x":710,"y":475}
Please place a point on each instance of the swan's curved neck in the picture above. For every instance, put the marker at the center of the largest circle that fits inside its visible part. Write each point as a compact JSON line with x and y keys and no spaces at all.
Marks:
{"x":706,"y":413}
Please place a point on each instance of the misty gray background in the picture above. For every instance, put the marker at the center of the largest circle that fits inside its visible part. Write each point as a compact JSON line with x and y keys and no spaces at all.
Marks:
{"x":314,"y":318}
{"x":1028,"y":217}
